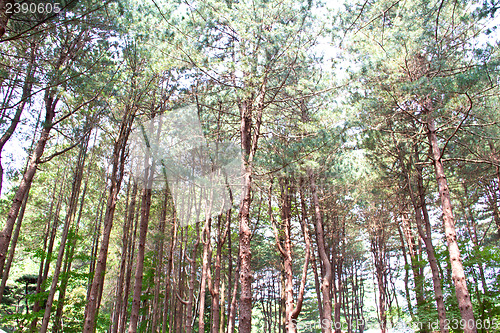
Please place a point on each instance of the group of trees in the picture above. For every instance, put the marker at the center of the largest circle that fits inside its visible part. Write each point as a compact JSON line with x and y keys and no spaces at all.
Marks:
{"x":370,"y":170}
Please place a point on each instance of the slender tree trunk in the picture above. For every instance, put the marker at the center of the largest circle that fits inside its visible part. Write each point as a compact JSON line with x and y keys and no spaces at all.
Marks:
{"x":232,"y":287}
{"x":47,"y":257}
{"x":13,"y":244}
{"x":326,"y":326}
{"x":26,"y":91}
{"x":143,"y":230}
{"x":378,"y":248}
{"x":216,"y":298}
{"x":472,"y":228}
{"x":421,"y":217}
{"x":6,"y":233}
{"x":159,"y":267}
{"x":70,"y":252}
{"x":458,"y":274}
{"x":340,"y":292}
{"x":123,"y":263}
{"x":431,"y":254}
{"x":115,"y":315}
{"x":305,"y":231}
{"x":317,"y":286}
{"x":73,"y":202}
{"x":245,"y":309}
{"x":249,"y":142}
{"x":96,"y":234}
{"x":286,"y":254}
{"x":415,"y":260}
{"x":382,"y":299}
{"x":118,"y":162}
{"x":406,"y":279}
{"x":192,"y":282}
{"x":128,"y":270}
{"x":222,"y":307}
{"x":166,"y":309}
{"x":178,"y":306}
{"x":231,"y":318}
{"x":206,"y":240}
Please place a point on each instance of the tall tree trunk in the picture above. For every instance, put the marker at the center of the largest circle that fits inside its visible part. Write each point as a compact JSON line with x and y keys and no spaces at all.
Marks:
{"x":6,"y":233}
{"x":249,"y":142}
{"x":206,"y":240}
{"x":216,"y":296}
{"x":245,"y":309}
{"x":378,"y":248}
{"x":406,"y":278}
{"x":68,"y":261}
{"x":421,"y":212}
{"x":285,"y":247}
{"x":159,"y":266}
{"x":166,"y":309}
{"x":231,"y":318}
{"x":118,"y":161}
{"x":472,"y":228}
{"x":12,"y":250}
{"x":421,"y":218}
{"x":178,"y":306}
{"x":458,"y":274}
{"x":128,"y":270}
{"x":96,"y":235}
{"x":326,"y":326}
{"x":317,"y":286}
{"x":305,"y":232}
{"x":123,"y":262}
{"x":415,"y":260}
{"x":26,"y":91}
{"x":143,"y":230}
{"x":72,"y":206}
{"x":192,"y":282}
{"x":47,"y":257}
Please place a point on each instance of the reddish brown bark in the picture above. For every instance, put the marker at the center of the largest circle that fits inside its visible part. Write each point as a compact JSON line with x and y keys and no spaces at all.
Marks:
{"x":141,"y":250}
{"x":173,"y":241}
{"x":12,"y":250}
{"x":128,"y":275}
{"x":206,"y":240}
{"x":422,"y":218}
{"x":217,"y":297}
{"x":249,"y":142}
{"x":51,"y":235}
{"x":284,"y":244}
{"x":123,"y":263}
{"x":68,"y":261}
{"x":72,"y":206}
{"x":192,"y":282}
{"x":118,"y":162}
{"x":378,"y":249}
{"x":458,"y":274}
{"x":231,"y":317}
{"x":160,"y":262}
{"x":6,"y":233}
{"x":429,"y":247}
{"x":26,"y":91}
{"x":326,"y":326}
{"x":305,"y":231}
